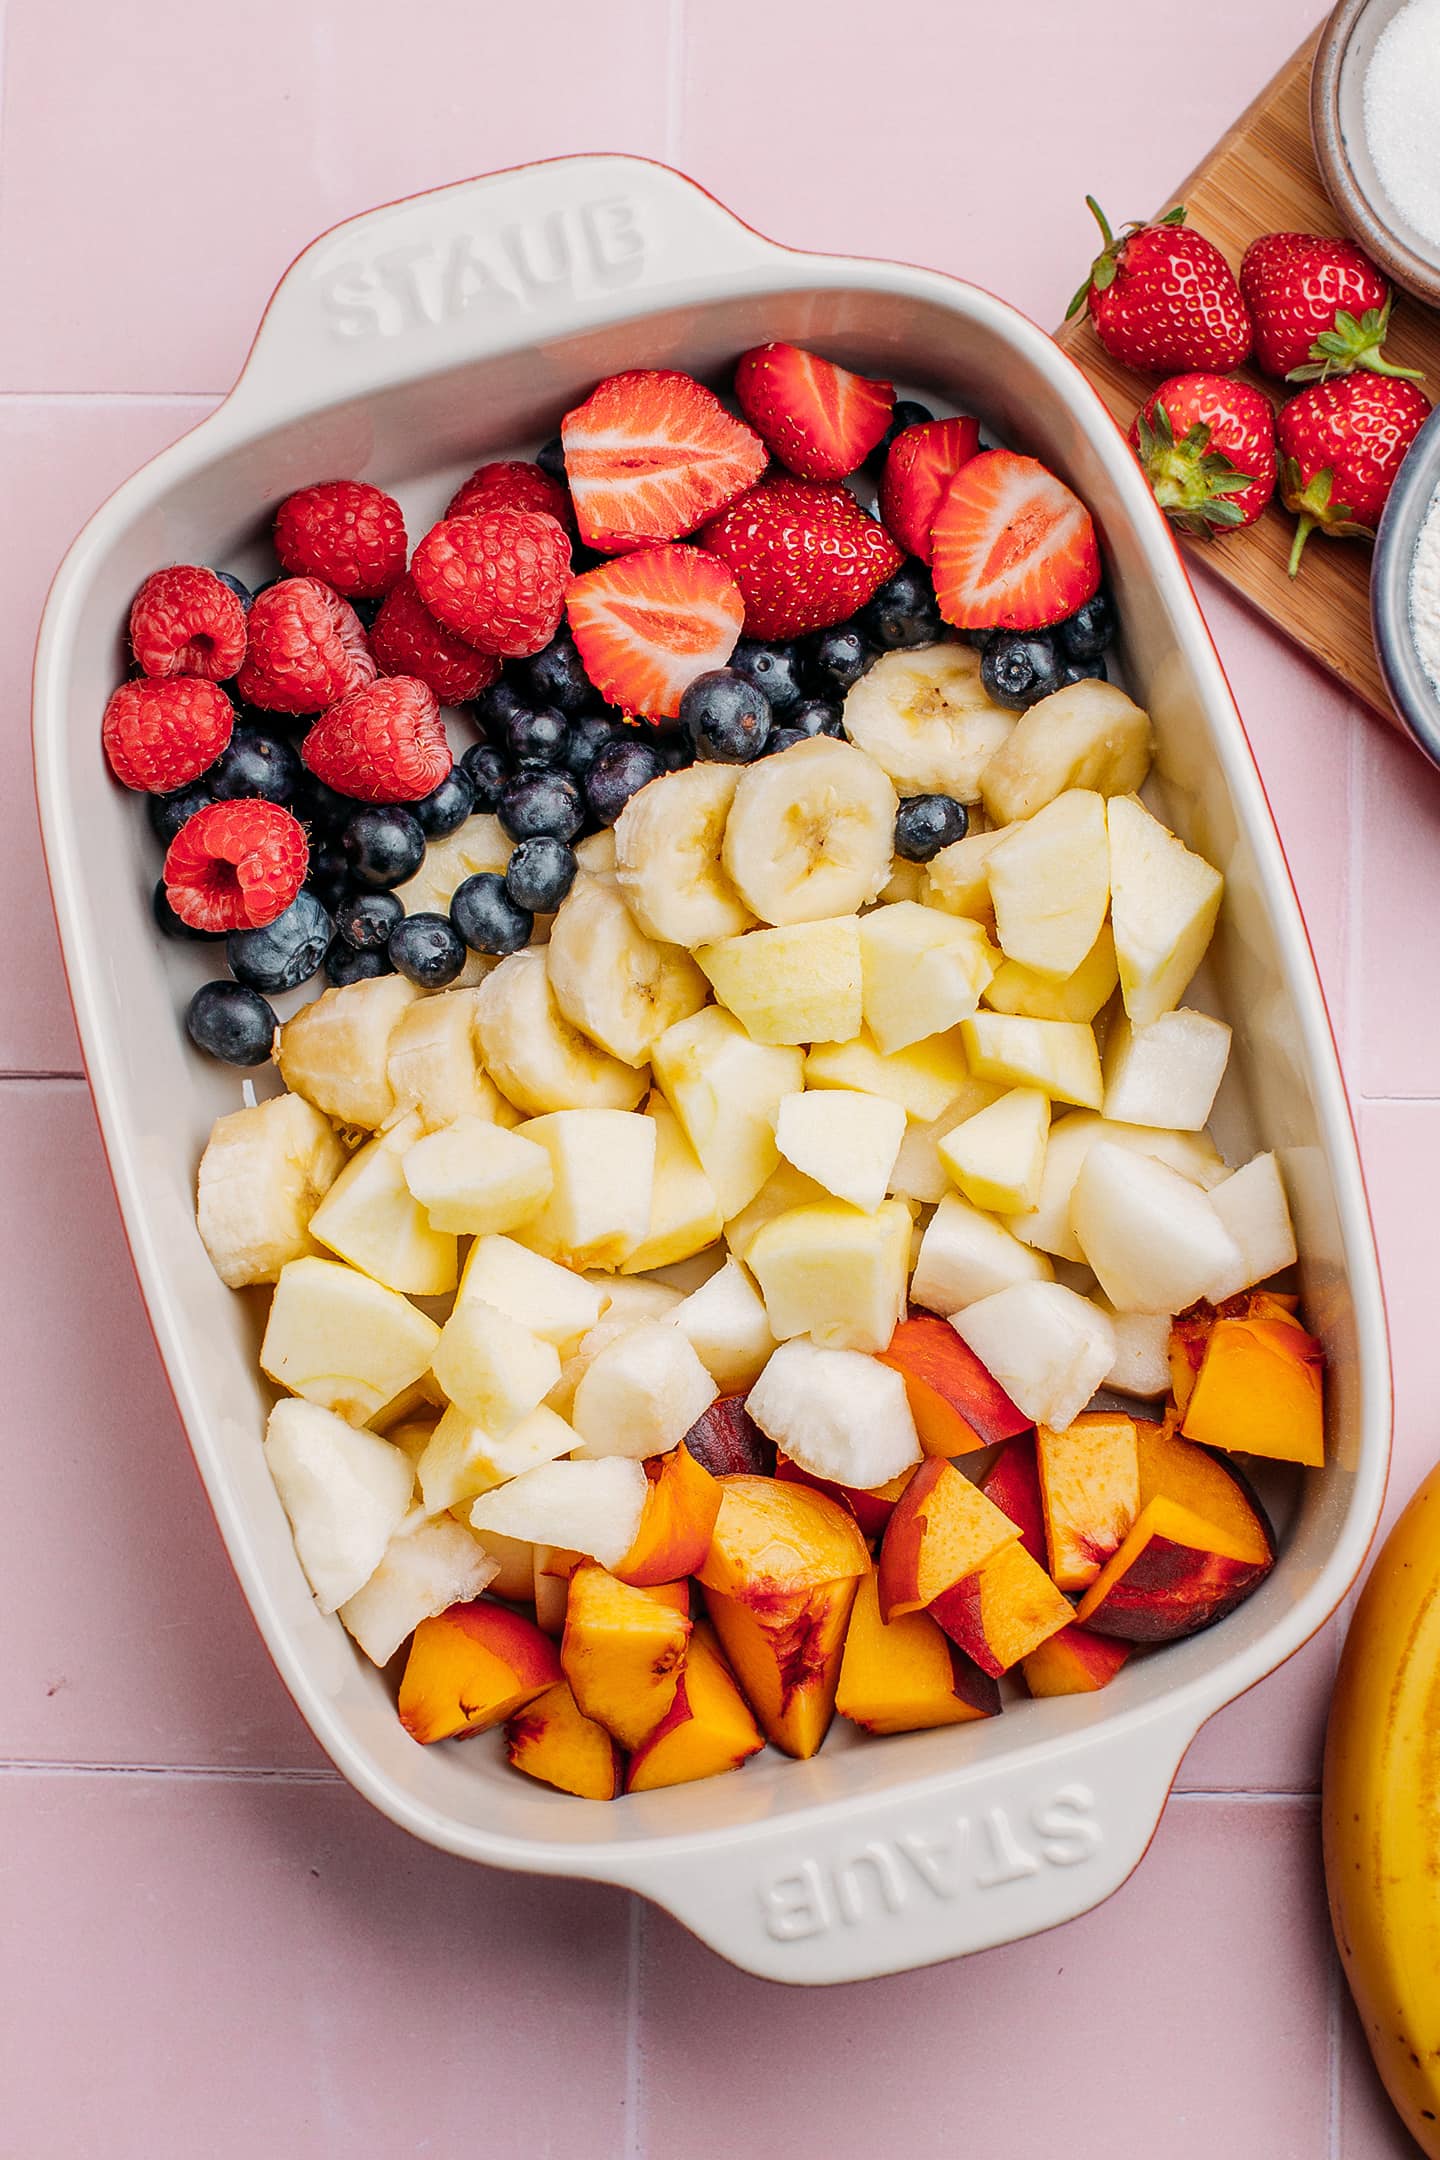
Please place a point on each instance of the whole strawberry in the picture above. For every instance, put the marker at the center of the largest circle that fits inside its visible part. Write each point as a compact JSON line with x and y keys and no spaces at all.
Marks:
{"x":1207,"y":445}
{"x":803,"y":553}
{"x":1341,"y":445}
{"x":1163,"y":297}
{"x":1318,"y":307}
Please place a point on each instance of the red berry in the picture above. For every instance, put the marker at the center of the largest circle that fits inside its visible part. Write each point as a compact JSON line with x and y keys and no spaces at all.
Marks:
{"x":307,"y":648}
{"x":819,"y":419}
{"x":1341,"y":445}
{"x":235,"y":865}
{"x":1014,"y":548}
{"x":184,"y":621}
{"x":510,"y":484}
{"x":650,"y":455}
{"x":1207,"y":443}
{"x":919,"y":466}
{"x":160,"y":735}
{"x":497,"y":581}
{"x":1163,"y":297}
{"x":345,"y":532}
{"x":1319,"y":307}
{"x":804,"y":555}
{"x":382,"y":744}
{"x":406,"y":640}
{"x":646,"y":625}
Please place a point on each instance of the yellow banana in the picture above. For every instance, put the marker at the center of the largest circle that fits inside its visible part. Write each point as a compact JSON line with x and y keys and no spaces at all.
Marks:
{"x":1381,"y":1813}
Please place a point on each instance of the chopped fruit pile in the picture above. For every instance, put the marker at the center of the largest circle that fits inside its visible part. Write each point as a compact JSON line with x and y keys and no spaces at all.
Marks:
{"x":743,"y":1237}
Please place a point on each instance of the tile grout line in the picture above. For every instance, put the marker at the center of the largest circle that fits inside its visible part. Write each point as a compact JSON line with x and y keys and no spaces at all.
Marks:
{"x":1333,"y":2008}
{"x":37,"y":1072}
{"x":1357,"y":780}
{"x":212,"y":1773}
{"x":633,"y":2136}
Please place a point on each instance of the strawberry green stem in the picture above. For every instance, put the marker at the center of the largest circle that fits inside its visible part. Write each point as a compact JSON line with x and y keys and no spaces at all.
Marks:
{"x":1302,"y":533}
{"x":1353,"y":342}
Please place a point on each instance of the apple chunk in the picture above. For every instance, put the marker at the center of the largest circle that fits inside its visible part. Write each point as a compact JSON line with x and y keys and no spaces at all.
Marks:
{"x":591,"y":1507}
{"x":725,"y":1090}
{"x":603,"y":1171}
{"x":371,"y":1218}
{"x":1163,"y":904}
{"x":343,"y":1341}
{"x":684,"y":1211}
{"x":797,"y":984}
{"x":708,"y":1728}
{"x":474,"y":1177}
{"x":344,"y":1490}
{"x":1081,"y":996}
{"x":997,"y":1157}
{"x":956,"y":1404}
{"x":1071,"y":1138}
{"x":622,"y":1651}
{"x":924,"y":970}
{"x":833,"y":1273}
{"x":1088,"y":735}
{"x":844,"y":1140}
{"x":1090,"y":1488}
{"x":463,"y":1459}
{"x":1050,"y":884}
{"x":724,"y":1321}
{"x":473,"y":1667}
{"x":1058,"y":1057}
{"x":905,"y":1675}
{"x":942,"y":1529}
{"x":552,"y":1739}
{"x":924,"y":1079}
{"x":1002,"y":1611}
{"x":1153,"y":1239}
{"x":554,"y":1303}
{"x":836,"y":1413}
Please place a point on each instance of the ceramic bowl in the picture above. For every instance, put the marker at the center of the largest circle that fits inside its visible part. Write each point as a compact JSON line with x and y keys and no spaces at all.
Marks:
{"x":1337,"y":127}
{"x":1412,"y":693}
{"x":402,"y":347}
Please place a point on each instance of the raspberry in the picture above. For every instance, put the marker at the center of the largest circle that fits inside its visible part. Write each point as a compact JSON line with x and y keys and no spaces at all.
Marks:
{"x":307,"y":649}
{"x":161,"y":735}
{"x":406,"y":640}
{"x":235,"y":865}
{"x":511,"y":484}
{"x":381,"y":744}
{"x":183,"y":621}
{"x":347,"y":533}
{"x":498,"y":581}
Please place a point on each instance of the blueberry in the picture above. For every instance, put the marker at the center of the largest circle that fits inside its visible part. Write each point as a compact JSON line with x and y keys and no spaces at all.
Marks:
{"x":926,"y":823}
{"x":785,"y":738}
{"x":540,"y":873}
{"x":979,"y":639}
{"x":486,"y":771}
{"x":818,"y":716}
{"x":775,"y":669}
{"x":1083,"y":671}
{"x":286,"y":952}
{"x":428,"y":950}
{"x":446,"y":806}
{"x":486,"y":916}
{"x":1020,"y":667}
{"x":256,"y":764}
{"x":1086,"y":634}
{"x":835,"y":659}
{"x":674,"y":752}
{"x":169,"y":812}
{"x":497,"y":706}
{"x":908,"y":412}
{"x":242,"y":592}
{"x":589,"y":735}
{"x":541,"y":802}
{"x":344,"y":965}
{"x":904,"y":611}
{"x":328,"y":875}
{"x":550,"y":457}
{"x":537,"y":738}
{"x":231,"y":1023}
{"x":169,"y":922}
{"x":556,"y":676}
{"x":366,"y":920}
{"x":383,"y":846}
{"x":726,"y":716}
{"x":321,"y":807}
{"x":617,"y":774}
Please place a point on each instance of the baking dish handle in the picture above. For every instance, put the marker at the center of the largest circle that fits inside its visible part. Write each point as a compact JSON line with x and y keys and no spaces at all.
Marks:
{"x":444,"y":278}
{"x":880,"y":1886}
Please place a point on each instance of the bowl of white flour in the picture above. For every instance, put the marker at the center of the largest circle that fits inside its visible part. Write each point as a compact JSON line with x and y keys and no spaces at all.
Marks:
{"x":1375,"y":121}
{"x":1405,"y":591}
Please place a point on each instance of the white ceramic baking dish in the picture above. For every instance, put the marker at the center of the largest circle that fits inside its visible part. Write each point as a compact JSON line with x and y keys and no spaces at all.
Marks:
{"x":403,"y":346}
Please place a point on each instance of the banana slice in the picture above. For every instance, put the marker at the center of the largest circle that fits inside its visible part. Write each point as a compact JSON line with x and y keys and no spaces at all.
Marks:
{"x":667,"y":857}
{"x":810,"y":833}
{"x":616,"y":985}
{"x":534,"y":1055}
{"x":263,"y":1174}
{"x":481,"y":843}
{"x":923,"y":715}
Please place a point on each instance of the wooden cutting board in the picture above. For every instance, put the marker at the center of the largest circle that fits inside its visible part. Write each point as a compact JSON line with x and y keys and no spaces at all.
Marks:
{"x":1262,"y":177}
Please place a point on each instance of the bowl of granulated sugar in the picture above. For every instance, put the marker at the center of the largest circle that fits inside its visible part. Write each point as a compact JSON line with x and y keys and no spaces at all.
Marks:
{"x":1375,"y":120}
{"x":1405,"y":591}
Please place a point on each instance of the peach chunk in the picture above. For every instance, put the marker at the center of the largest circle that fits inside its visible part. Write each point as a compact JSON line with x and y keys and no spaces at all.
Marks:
{"x":1013,"y":1483}
{"x":622,"y":1650}
{"x":553,"y":1740}
{"x":727,"y":1442}
{"x":1002,"y":1612}
{"x":1073,"y":1662}
{"x":785,"y":1653}
{"x":676,"y":1522}
{"x":1260,"y":1390}
{"x":707,"y":1729}
{"x":1178,"y":1571}
{"x":1189,"y":1333}
{"x":473,"y":1667}
{"x":956,"y":1404}
{"x":772,"y":1540}
{"x":906,"y":1675}
{"x":943,"y":1528}
{"x":554,"y":1565}
{"x":1090,"y":1490}
{"x":872,"y":1507}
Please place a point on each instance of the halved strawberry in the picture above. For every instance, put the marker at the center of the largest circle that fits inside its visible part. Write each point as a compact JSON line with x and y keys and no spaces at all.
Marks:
{"x":648,"y":624}
{"x":650,"y":455}
{"x":919,"y":466}
{"x":819,"y":419}
{"x":1012,"y":547}
{"x":804,"y":554}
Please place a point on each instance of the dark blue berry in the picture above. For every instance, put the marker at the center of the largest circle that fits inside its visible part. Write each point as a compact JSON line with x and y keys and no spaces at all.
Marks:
{"x":486,"y":916}
{"x":366,"y":920}
{"x":537,"y":738}
{"x":328,"y":875}
{"x":242,"y":592}
{"x":979,"y":639}
{"x":556,"y":676}
{"x":1087,"y":633}
{"x":835,"y":659}
{"x":487,"y":773}
{"x":497,"y":706}
{"x":908,"y":412}
{"x":169,"y":922}
{"x":1083,"y":671}
{"x":785,"y":738}
{"x":256,"y":764}
{"x":775,"y":669}
{"x":383,"y":846}
{"x":541,"y":802}
{"x":726,"y":717}
{"x":321,"y":807}
{"x":589,"y":734}
{"x":926,"y":823}
{"x":540,"y":873}
{"x":818,"y":716}
{"x":617,"y":774}
{"x":428,"y":950}
{"x":231,"y":1023}
{"x":550,"y":457}
{"x":286,"y":952}
{"x":447,"y":806}
{"x":904,"y":612}
{"x":168,"y":813}
{"x":344,"y":965}
{"x":1020,"y":667}
{"x":674,"y":752}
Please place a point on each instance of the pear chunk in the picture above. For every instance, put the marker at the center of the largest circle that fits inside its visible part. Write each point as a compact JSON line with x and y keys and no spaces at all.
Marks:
{"x":844,"y":1140}
{"x":1163,"y":905}
{"x":1050,"y":885}
{"x":1048,"y":1347}
{"x":966,"y":1255}
{"x":1154,"y":1240}
{"x":344,"y":1490}
{"x":1167,"y":1073}
{"x":343,"y":1341}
